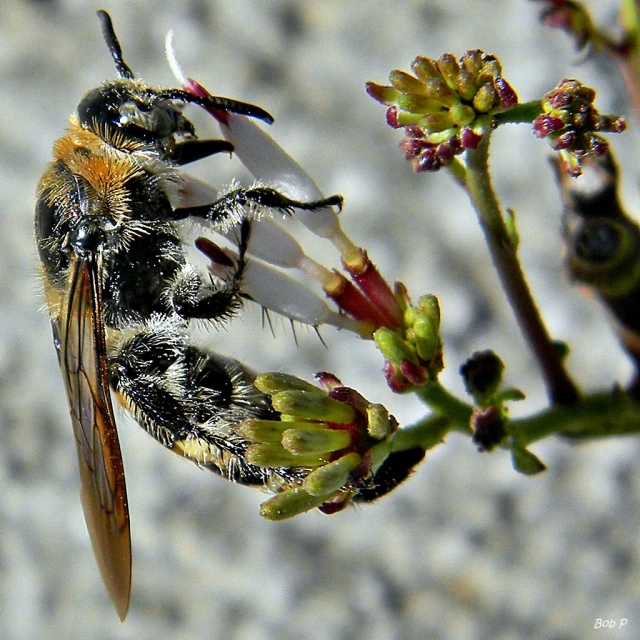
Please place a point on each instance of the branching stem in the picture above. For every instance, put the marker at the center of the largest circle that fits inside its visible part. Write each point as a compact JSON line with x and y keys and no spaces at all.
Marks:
{"x":560,"y":387}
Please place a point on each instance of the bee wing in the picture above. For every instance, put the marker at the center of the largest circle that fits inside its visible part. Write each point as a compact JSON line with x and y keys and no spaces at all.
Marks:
{"x":80,"y":340}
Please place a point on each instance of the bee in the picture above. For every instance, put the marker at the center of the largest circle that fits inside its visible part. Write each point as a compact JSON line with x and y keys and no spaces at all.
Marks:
{"x":121,"y":293}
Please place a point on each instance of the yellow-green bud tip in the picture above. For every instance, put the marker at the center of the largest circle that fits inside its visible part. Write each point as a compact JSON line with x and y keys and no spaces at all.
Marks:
{"x":331,"y":477}
{"x":289,"y":503}
{"x":313,"y":405}
{"x":315,"y":441}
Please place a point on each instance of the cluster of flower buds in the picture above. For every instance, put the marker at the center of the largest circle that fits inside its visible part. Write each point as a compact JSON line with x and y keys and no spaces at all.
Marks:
{"x":571,"y":123}
{"x":482,"y":377}
{"x":328,"y":442}
{"x":569,"y":16}
{"x":445,"y":106}
{"x":413,"y":352}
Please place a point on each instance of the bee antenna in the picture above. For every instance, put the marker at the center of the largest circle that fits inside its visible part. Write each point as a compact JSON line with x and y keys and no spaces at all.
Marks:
{"x":110,"y":38}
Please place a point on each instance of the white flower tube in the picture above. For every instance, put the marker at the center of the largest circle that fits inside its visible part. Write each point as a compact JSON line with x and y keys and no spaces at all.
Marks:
{"x":276,"y":291}
{"x":270,"y":163}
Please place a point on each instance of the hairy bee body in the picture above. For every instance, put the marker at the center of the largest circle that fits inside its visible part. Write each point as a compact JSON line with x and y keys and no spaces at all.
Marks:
{"x":110,"y":194}
{"x":121,"y":294}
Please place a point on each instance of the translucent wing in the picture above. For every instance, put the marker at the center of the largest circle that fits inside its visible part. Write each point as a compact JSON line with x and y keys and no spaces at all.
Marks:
{"x":80,"y":340}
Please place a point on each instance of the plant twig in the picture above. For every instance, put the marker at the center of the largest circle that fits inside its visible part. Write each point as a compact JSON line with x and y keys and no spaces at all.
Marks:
{"x":560,"y":387}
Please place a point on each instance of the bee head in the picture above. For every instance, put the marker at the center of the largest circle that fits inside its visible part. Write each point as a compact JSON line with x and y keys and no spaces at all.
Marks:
{"x":133,"y":109}
{"x":127,"y":110}
{"x":128,"y":113}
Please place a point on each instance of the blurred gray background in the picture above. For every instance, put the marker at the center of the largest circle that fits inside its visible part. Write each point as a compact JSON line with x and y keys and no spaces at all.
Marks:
{"x":467,"y":548}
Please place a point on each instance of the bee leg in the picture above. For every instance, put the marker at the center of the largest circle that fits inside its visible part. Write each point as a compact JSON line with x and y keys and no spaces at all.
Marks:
{"x":190,"y":400}
{"x":233,"y":204}
{"x":190,"y":297}
{"x":192,"y":150}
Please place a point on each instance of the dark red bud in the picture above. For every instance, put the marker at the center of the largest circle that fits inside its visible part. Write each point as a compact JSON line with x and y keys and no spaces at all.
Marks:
{"x":560,"y":99}
{"x":563,"y":141}
{"x":413,"y":147}
{"x":488,"y":428}
{"x":506,"y":94}
{"x":335,"y":504}
{"x":350,"y":396}
{"x":413,"y":372}
{"x":396,"y":381}
{"x":470,"y":139}
{"x":392,"y":117}
{"x":414,"y":132}
{"x":598,"y":146}
{"x":428,"y":161}
{"x":544,"y":124}
{"x":445,"y":153}
{"x":328,"y":381}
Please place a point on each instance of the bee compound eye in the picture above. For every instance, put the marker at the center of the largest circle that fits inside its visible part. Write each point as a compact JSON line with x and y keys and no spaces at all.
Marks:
{"x":151,"y":118}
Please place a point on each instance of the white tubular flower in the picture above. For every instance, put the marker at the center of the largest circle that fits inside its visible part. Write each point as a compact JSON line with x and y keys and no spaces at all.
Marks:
{"x":369,"y":300}
{"x":270,"y":163}
{"x":276,"y":291}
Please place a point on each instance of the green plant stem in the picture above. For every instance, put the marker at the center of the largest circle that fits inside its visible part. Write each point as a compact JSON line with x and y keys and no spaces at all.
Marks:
{"x":425,"y":434}
{"x":522,"y":112}
{"x":625,"y":53}
{"x":560,"y":387}
{"x":630,"y":18}
{"x":459,"y":172}
{"x":449,"y":414}
{"x":596,"y":416}
{"x":443,"y":403}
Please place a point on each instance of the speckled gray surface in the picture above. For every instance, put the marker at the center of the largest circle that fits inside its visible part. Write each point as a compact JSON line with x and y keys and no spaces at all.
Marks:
{"x":467,"y":549}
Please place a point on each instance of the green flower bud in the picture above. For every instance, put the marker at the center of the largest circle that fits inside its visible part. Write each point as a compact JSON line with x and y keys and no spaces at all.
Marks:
{"x":271,"y":383}
{"x":437,"y":89}
{"x":379,"y":423}
{"x":466,"y":85}
{"x":405,"y":82}
{"x":417,"y":103}
{"x":427,"y":339}
{"x":262,"y":430}
{"x":313,"y":405}
{"x":315,"y":441}
{"x":442,"y":136}
{"x":331,"y":477}
{"x":491,"y":68}
{"x":393,"y":347}
{"x":406,"y":119}
{"x":289,"y":503}
{"x":435,"y":122}
{"x":462,"y":115}
{"x":383,"y":93}
{"x":273,"y":455}
{"x":485,"y":98}
{"x":425,"y":69}
{"x":411,"y":314}
{"x":449,"y":69}
{"x":472,"y":62}
{"x":429,"y":304}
